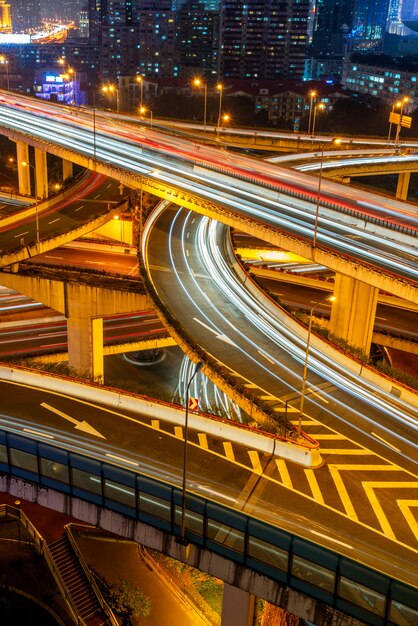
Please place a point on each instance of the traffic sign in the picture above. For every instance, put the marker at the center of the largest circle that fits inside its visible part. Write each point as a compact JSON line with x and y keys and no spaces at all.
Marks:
{"x":194,"y":404}
{"x":394,"y":118}
{"x":406,"y":121}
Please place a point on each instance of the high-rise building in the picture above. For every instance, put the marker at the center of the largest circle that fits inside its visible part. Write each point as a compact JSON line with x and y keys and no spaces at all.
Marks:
{"x":198,"y":39}
{"x":333,"y":21}
{"x":5,"y":18}
{"x":158,"y":52}
{"x":61,"y":10}
{"x":369,"y":24}
{"x":25,"y":15}
{"x":263,"y":38}
{"x":409,"y":14}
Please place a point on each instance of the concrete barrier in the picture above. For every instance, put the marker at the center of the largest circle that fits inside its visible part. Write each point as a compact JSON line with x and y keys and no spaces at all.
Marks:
{"x":231,"y":431}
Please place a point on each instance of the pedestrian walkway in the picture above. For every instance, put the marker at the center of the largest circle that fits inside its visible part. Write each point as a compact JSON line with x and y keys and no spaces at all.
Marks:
{"x":111,"y":558}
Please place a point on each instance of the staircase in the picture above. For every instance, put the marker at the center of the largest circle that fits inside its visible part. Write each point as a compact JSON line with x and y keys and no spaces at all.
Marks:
{"x":77,"y":584}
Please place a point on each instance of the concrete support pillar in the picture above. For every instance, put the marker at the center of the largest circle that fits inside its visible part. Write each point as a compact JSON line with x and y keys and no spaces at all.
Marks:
{"x":238,"y":607}
{"x":85,"y":344}
{"x":402,"y":187}
{"x":23,"y":173}
{"x":41,"y":172}
{"x":67,"y":169}
{"x":353,"y":311}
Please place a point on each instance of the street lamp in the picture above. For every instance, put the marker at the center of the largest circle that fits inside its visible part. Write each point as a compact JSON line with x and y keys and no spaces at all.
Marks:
{"x":337,"y":141}
{"x":70,"y":75}
{"x":305,"y":367}
{"x":312,"y":95}
{"x":73,"y":75}
{"x":143,"y":111}
{"x":404,"y":101}
{"x":225,"y":118}
{"x":396,"y":105}
{"x":140,"y":80}
{"x":112,"y":89}
{"x":25,"y":164}
{"x":198,"y":82}
{"x":5,"y":61}
{"x":321,"y":107}
{"x":182,"y":538}
{"x":219,"y":87}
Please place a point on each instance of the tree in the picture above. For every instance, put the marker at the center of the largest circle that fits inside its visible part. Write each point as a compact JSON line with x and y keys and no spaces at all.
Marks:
{"x":129,"y":602}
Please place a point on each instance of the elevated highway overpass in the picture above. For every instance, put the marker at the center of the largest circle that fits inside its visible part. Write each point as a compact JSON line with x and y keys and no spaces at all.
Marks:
{"x":210,"y":176}
{"x":387,"y":450}
{"x":371,"y":245}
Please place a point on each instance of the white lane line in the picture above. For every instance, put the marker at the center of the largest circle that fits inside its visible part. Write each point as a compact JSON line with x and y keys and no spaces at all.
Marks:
{"x":36,"y":432}
{"x":386,"y":442}
{"x":341,"y":543}
{"x":266,"y":357}
{"x":53,"y":221}
{"x":21,"y":234}
{"x":121,"y":458}
{"x":80,"y":207}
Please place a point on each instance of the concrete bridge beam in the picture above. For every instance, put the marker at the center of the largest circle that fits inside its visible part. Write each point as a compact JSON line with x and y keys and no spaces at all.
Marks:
{"x":23,"y":173}
{"x":238,"y":607}
{"x":353,"y":311}
{"x":41,"y":173}
{"x":402,"y":187}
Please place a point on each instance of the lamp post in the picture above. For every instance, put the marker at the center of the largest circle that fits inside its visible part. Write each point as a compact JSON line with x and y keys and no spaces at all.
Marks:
{"x":94,"y":125}
{"x":70,"y":75}
{"x":25,"y":164}
{"x":112,"y":89}
{"x":73,"y":75}
{"x":5,"y":61}
{"x":219,"y":87}
{"x":143,"y":111}
{"x":182,"y":538}
{"x":397,"y":105}
{"x":199,"y":83}
{"x":321,"y":107}
{"x":404,"y":101}
{"x":337,"y":142}
{"x":312,"y":95}
{"x":305,"y":367}
{"x":140,"y":80}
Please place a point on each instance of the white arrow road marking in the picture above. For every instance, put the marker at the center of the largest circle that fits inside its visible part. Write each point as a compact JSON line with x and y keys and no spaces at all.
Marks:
{"x":84,"y":426}
{"x":221,"y":337}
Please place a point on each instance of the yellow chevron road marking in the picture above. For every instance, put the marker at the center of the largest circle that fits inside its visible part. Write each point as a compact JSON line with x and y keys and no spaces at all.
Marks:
{"x":381,"y":517}
{"x":350,"y":451}
{"x":313,"y":484}
{"x":345,"y":499}
{"x":284,"y":473}
{"x":333,"y":436}
{"x":203,"y":440}
{"x":371,"y":468}
{"x":289,"y":409}
{"x":229,"y":452}
{"x":178,"y":431}
{"x":155,"y":424}
{"x":405,"y":506}
{"x":255,"y":461}
{"x":369,"y":487}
